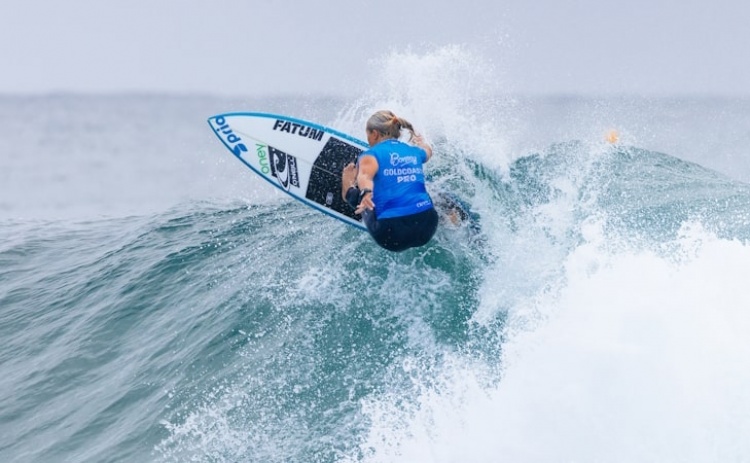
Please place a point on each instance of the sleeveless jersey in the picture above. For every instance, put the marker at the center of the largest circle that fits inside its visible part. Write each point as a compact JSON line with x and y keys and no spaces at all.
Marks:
{"x":399,"y":188}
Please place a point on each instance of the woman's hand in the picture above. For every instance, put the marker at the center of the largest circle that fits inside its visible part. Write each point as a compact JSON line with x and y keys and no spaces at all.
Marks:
{"x":365,"y":203}
{"x":418,"y":140}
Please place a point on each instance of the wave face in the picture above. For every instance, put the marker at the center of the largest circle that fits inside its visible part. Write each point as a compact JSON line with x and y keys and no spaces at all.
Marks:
{"x":599,"y":315}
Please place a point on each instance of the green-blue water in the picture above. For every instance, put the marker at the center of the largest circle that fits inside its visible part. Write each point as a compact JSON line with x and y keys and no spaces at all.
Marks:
{"x":159,"y":303}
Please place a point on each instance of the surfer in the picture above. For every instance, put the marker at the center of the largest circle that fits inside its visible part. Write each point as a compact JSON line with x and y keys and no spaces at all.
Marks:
{"x":387,"y":185}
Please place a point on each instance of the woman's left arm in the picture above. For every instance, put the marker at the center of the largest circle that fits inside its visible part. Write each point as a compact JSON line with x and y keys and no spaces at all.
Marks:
{"x":368,"y":167}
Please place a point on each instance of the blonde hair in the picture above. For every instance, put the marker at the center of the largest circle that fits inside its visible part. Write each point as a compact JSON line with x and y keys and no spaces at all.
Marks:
{"x":389,"y":124}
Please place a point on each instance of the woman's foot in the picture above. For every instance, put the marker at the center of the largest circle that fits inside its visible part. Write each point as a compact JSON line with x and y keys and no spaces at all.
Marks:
{"x":348,"y":178}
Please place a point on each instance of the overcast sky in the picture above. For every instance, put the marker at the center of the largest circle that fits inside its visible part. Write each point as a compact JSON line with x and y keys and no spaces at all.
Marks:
{"x":259,"y":47}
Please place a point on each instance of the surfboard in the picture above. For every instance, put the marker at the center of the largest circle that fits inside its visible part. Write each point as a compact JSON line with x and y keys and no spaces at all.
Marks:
{"x":303,"y":159}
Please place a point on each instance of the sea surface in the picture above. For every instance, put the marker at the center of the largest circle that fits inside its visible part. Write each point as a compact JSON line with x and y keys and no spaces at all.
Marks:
{"x":161,"y":303}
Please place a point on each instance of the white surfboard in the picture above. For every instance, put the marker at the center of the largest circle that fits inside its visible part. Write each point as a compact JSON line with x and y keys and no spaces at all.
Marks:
{"x":303,"y":159}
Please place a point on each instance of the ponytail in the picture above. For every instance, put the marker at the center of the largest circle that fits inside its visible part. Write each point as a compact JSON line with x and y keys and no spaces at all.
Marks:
{"x":389,"y":124}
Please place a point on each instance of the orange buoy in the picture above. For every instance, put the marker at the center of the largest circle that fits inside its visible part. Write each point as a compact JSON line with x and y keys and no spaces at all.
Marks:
{"x":613,"y":136}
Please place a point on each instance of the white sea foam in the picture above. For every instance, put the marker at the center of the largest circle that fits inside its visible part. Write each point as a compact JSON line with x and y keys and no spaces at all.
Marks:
{"x":635,"y":356}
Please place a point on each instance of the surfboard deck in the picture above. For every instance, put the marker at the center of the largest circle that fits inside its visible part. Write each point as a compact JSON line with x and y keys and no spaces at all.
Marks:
{"x":303,"y":159}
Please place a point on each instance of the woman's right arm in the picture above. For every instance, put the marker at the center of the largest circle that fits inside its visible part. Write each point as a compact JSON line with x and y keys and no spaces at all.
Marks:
{"x":419,"y":141}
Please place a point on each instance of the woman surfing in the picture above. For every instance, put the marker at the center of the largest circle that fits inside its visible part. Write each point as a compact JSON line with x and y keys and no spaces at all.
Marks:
{"x":387,"y":186}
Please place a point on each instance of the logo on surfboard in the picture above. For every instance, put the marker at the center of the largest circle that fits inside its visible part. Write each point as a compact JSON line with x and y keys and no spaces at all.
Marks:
{"x":298,"y":129}
{"x":283,"y":167}
{"x":232,"y":140}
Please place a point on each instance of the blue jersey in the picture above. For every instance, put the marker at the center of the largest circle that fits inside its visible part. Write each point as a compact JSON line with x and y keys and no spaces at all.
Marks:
{"x":399,"y":183}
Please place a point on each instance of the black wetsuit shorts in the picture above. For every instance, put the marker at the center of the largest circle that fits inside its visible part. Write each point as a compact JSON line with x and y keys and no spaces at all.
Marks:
{"x":397,"y":233}
{"x":401,"y":233}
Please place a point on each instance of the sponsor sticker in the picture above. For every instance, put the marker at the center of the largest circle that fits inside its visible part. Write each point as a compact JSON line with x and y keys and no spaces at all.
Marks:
{"x":284,"y":168}
{"x":295,"y":128}
{"x":262,"y":152}
{"x":224,"y":131}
